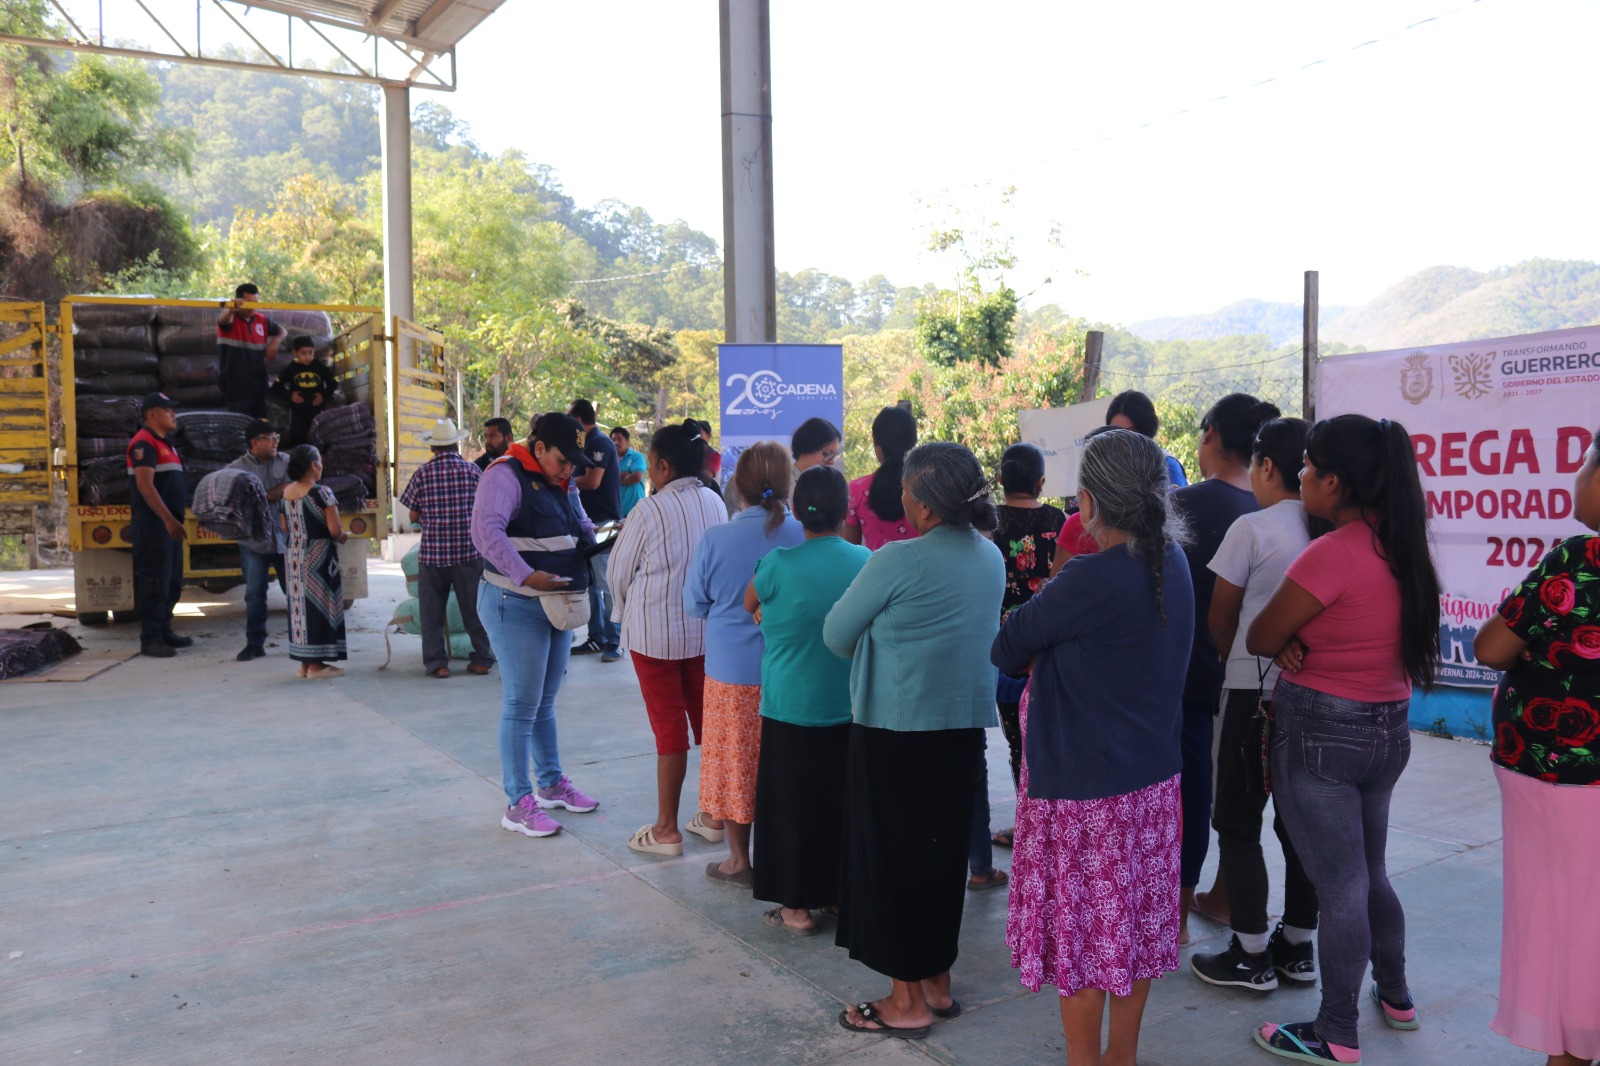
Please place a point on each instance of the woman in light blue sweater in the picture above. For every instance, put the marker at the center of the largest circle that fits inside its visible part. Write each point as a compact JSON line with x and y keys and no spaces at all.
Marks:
{"x":916,"y":623}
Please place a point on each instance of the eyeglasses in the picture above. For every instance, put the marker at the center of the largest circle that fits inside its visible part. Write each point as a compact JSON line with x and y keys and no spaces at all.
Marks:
{"x":830,"y":454}
{"x":265,"y":436}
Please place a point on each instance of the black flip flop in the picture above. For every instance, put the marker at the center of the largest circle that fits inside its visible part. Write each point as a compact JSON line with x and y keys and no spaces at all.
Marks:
{"x":952,"y":1011}
{"x":869,"y":1013}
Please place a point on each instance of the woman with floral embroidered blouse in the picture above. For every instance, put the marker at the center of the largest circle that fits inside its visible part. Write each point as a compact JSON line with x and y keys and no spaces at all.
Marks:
{"x":1546,"y":638}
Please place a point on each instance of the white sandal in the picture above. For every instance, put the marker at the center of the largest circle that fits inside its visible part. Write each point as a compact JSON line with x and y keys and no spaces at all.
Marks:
{"x":697,"y":825}
{"x":645,"y":840}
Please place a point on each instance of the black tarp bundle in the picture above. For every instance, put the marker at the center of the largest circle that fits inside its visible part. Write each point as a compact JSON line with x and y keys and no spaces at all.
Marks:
{"x":28,"y":649}
{"x":214,"y":435}
{"x":104,"y":482}
{"x":130,"y":338}
{"x":179,"y":371}
{"x":108,"y":416}
{"x":102,"y":448}
{"x":195,"y":470}
{"x":109,"y":360}
{"x":100,"y":316}
{"x":117,"y":384}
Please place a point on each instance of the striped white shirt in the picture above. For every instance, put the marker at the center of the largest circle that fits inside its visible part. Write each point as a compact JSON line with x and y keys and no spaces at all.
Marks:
{"x":650,"y":563}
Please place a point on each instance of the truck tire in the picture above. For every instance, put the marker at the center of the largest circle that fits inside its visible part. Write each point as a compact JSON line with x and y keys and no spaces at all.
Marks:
{"x":129,"y":617}
{"x":94,"y":618}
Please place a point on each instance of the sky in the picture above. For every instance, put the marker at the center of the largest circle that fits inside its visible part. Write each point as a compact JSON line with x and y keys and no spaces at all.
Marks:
{"x":1465,"y":140}
{"x":1184,"y":155}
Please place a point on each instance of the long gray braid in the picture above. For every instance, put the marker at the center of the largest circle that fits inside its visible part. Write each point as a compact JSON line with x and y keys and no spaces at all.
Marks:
{"x":1126,"y":474}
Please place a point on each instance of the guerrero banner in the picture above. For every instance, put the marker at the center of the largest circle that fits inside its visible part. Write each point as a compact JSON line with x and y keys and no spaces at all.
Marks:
{"x":1500,"y":429}
{"x":769,"y":389}
{"x":1058,"y":432}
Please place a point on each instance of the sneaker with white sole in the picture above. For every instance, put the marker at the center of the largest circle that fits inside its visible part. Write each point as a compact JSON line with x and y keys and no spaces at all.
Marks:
{"x":1297,"y":962}
{"x":565,"y":794}
{"x":526,"y":818}
{"x":1235,"y":968}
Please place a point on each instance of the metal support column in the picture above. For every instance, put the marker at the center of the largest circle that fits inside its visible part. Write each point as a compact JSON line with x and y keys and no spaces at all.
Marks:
{"x":750,"y":301}
{"x":397,"y":257}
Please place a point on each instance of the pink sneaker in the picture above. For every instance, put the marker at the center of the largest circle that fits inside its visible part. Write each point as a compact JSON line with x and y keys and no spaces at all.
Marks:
{"x":564,"y":794}
{"x":526,"y":818}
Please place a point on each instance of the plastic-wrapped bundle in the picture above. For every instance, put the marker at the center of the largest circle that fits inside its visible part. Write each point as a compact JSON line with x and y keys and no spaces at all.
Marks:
{"x":108,"y":416}
{"x":118,"y":384}
{"x":348,"y":490}
{"x":113,"y":361}
{"x":198,"y":395}
{"x":218,"y":435}
{"x":128,"y":338}
{"x":31,"y":647}
{"x":184,"y":371}
{"x":90,"y":448}
{"x":187,"y":340}
{"x":233,"y":504}
{"x":189,"y":316}
{"x":103,"y":482}
{"x":341,"y":423}
{"x":314,"y":324}
{"x":98,"y":316}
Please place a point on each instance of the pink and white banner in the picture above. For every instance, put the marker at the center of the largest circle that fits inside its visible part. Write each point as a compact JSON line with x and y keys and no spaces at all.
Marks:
{"x":1500,"y":428}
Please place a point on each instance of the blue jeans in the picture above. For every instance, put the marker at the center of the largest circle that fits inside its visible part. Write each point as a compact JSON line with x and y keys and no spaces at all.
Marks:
{"x":533,"y":661}
{"x":1335,"y":762}
{"x":602,"y":630}
{"x":980,"y":848}
{"x":255,"y":564}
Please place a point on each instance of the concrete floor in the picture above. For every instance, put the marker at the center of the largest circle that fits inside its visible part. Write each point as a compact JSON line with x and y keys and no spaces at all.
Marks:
{"x":206,"y":860}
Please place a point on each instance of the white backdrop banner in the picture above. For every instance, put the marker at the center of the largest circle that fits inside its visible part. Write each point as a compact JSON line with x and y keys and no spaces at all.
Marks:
{"x":1059,"y":433}
{"x":1500,"y":429}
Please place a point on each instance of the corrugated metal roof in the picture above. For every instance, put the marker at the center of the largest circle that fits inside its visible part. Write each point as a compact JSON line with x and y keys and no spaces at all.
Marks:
{"x":442,"y":23}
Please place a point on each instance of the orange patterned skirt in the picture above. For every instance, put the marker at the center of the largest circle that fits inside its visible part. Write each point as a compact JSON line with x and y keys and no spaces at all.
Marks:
{"x":730,"y":750}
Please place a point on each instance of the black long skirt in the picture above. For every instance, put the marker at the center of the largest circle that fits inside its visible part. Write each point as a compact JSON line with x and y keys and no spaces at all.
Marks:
{"x":908,"y":820}
{"x":799,"y":813}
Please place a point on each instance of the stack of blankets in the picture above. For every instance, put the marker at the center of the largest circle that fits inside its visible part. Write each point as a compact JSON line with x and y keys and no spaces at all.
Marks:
{"x":123,"y":351}
{"x":31,"y":647}
{"x":348,"y":439}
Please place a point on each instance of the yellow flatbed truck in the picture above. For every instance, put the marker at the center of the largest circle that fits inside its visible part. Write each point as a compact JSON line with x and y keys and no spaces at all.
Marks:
{"x":397,"y":374}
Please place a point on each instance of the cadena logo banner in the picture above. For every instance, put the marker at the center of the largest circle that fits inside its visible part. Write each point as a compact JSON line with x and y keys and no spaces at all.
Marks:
{"x":1500,"y":429}
{"x":768,"y":390}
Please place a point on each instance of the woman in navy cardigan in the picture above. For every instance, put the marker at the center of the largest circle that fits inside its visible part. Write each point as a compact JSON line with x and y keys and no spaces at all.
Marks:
{"x":1094,"y":873}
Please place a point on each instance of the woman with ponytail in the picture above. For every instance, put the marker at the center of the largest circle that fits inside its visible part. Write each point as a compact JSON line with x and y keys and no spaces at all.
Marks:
{"x":1354,"y":625}
{"x":1094,"y":873}
{"x":1209,"y":508}
{"x":876,"y":515}
{"x":649,"y":567}
{"x":718,"y":576}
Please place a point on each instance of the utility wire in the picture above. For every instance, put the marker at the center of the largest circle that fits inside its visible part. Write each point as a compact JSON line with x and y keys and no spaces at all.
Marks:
{"x":645,"y":274}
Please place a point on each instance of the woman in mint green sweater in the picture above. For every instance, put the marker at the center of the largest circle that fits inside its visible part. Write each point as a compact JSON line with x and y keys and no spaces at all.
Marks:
{"x":916,"y":623}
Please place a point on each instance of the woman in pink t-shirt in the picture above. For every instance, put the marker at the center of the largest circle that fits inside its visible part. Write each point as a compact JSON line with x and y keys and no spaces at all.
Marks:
{"x":876,"y":517}
{"x":1354,"y":625}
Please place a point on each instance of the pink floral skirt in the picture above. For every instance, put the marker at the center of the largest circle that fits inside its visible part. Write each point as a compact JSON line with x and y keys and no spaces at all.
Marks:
{"x":1094,"y":887}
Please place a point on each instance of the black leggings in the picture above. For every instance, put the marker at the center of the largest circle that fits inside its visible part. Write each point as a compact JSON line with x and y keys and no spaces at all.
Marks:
{"x":1236,"y":815}
{"x":1011,"y":726}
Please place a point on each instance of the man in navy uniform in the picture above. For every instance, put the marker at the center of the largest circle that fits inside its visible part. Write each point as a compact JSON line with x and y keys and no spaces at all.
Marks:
{"x":159,"y":498}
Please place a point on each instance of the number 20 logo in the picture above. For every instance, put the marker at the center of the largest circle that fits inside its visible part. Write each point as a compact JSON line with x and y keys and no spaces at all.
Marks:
{"x":759,"y":390}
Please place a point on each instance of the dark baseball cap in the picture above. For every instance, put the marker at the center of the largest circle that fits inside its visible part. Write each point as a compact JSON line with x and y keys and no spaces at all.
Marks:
{"x":260,"y":428}
{"x":564,"y":433}
{"x":153,"y":400}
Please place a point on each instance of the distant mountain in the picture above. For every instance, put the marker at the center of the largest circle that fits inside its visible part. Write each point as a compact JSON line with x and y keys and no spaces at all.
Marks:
{"x":1444,"y":304}
{"x":1279,"y":322}
{"x":1434,"y":306}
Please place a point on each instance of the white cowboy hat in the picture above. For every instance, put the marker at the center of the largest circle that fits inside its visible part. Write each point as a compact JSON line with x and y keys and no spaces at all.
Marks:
{"x":444,"y":432}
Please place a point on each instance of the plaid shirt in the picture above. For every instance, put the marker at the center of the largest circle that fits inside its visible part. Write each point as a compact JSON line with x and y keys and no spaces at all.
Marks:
{"x":441,"y":492}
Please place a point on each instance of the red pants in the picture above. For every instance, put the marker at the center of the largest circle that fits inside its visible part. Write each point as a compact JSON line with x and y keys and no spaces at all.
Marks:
{"x":674,"y":693}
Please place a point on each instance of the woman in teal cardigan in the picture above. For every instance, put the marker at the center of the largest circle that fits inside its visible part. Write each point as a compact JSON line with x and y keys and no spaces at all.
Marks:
{"x":916,"y":623}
